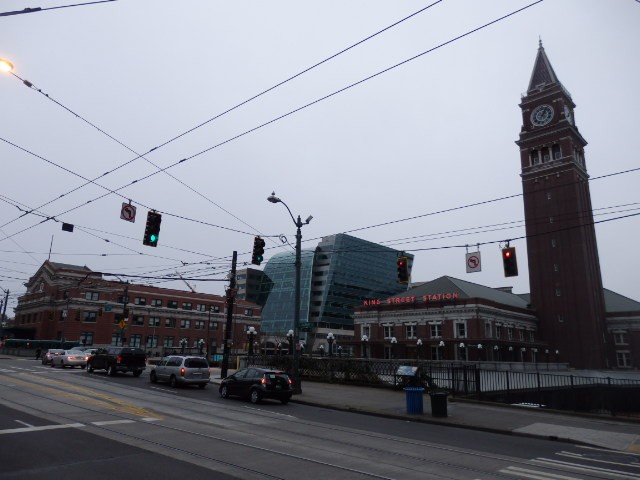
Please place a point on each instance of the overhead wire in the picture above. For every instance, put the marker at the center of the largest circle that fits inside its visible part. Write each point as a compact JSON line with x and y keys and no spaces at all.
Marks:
{"x":291,"y":112}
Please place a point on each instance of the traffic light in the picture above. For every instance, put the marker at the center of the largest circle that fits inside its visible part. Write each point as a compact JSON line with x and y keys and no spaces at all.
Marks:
{"x":152,"y":229}
{"x":258,"y":251}
{"x":403,"y":270}
{"x":510,"y":262}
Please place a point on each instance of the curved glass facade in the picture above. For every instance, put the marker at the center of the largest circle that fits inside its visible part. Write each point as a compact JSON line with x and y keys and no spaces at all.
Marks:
{"x":277,"y":291}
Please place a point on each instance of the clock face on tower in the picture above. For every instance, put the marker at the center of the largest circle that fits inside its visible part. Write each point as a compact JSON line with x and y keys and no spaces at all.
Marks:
{"x":542,"y":115}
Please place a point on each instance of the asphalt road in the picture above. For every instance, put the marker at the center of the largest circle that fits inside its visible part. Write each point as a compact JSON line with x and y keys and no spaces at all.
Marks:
{"x":95,"y":426}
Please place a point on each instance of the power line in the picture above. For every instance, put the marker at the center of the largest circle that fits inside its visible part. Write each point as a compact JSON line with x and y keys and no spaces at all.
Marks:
{"x":274,"y":120}
{"x":40,"y":9}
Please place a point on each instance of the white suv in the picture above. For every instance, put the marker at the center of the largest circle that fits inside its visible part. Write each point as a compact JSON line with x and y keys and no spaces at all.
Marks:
{"x":182,"y":370}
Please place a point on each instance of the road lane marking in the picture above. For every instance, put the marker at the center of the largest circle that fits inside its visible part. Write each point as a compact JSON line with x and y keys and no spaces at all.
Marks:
{"x":535,"y":474}
{"x":112,"y":422}
{"x":45,"y":427}
{"x":24,"y":423}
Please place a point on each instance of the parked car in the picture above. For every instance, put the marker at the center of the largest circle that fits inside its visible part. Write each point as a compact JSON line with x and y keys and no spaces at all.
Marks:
{"x":70,"y":358}
{"x":182,"y":370}
{"x":257,"y":384}
{"x":48,"y":356}
{"x":118,"y":359}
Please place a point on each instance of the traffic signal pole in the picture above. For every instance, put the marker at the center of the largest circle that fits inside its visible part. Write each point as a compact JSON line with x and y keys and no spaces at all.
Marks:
{"x":231,"y":295}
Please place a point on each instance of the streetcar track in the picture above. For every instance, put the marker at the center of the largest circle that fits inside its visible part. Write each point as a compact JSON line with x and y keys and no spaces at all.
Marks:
{"x":283,"y":418}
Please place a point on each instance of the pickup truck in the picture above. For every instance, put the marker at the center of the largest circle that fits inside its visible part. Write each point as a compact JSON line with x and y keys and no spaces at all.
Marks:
{"x":118,"y":359}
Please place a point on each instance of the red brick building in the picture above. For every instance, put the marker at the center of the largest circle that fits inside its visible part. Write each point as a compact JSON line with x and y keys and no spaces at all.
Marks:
{"x":74,"y":303}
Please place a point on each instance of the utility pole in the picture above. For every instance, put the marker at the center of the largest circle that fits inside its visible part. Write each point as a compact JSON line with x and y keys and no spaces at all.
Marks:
{"x":125,"y":314}
{"x":4,"y":308}
{"x":231,"y":296}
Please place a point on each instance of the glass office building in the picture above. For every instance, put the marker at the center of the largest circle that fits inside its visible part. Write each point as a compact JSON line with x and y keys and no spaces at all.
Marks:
{"x":341,"y":273}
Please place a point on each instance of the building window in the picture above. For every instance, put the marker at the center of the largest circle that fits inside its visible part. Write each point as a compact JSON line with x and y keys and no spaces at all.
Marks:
{"x":388,"y":331}
{"x":139,"y":301}
{"x":156,"y":302}
{"x":168,"y":341}
{"x":135,"y":340}
{"x":532,"y":337}
{"x":90,"y":317}
{"x":510,"y":333}
{"x":201,"y":307}
{"x":154,"y":321}
{"x":170,"y":322}
{"x":461,"y":330}
{"x":152,"y":341}
{"x":138,"y":321}
{"x":86,"y":338}
{"x":535,"y":158}
{"x":184,"y":323}
{"x":619,"y":338}
{"x":172,"y":304}
{"x":248,"y":312}
{"x":436,"y":353}
{"x":498,"y":331}
{"x":436,"y":330}
{"x":623,"y":359}
{"x":521,"y":334}
{"x":115,"y":338}
{"x":411,"y":331}
{"x":366,"y":330}
{"x":213,"y":325}
{"x":187,"y":306}
{"x":487,"y":330}
{"x":215,"y":308}
{"x":199,"y":324}
{"x":91,"y":296}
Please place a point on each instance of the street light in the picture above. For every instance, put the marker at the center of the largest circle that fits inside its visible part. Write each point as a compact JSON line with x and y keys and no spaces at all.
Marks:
{"x":251,"y":332}
{"x":330,"y":340}
{"x":322,"y":350}
{"x":339,"y":351}
{"x":393,"y":341}
{"x":297,"y":384}
{"x":290,"y":338}
{"x":419,"y":347}
{"x":462,"y":352}
{"x":364,"y":340}
{"x":441,"y":348}
{"x":6,"y":65}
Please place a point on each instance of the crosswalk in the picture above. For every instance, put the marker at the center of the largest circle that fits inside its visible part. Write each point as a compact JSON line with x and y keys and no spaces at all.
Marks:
{"x":39,"y":369}
{"x":591,"y":464}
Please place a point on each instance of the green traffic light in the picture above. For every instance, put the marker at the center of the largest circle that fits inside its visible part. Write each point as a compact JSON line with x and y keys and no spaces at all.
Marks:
{"x":153,"y":238}
{"x":259,"y":258}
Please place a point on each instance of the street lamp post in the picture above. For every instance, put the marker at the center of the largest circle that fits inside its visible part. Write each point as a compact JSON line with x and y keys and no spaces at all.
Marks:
{"x":480,"y":352}
{"x":393,"y":341}
{"x":463,"y":355}
{"x":330,"y":340}
{"x":251,"y":332}
{"x":297,"y":384}
{"x":208,"y":334}
{"x":441,"y":350}
{"x":419,"y":347}
{"x":322,"y":350}
{"x":339,"y":351}
{"x":364,"y":340}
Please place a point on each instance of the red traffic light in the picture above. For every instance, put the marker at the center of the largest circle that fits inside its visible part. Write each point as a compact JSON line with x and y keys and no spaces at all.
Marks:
{"x":509,"y":262}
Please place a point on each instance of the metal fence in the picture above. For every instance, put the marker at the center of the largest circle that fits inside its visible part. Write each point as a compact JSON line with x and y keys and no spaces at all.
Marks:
{"x":547,"y":390}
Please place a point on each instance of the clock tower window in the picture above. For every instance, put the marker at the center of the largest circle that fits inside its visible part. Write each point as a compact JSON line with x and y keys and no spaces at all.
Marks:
{"x":556,"y":151}
{"x":535,"y":157}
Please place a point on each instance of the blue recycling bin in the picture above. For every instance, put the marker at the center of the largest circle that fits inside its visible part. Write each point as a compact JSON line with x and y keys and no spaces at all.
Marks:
{"x":414,"y":399}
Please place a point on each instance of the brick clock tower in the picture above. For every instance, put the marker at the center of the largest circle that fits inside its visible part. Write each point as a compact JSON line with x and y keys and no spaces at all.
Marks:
{"x":564,"y":269}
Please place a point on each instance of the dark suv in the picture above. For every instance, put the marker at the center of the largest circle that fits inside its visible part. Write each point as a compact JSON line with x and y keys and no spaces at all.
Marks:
{"x":256,"y":384}
{"x":118,"y":359}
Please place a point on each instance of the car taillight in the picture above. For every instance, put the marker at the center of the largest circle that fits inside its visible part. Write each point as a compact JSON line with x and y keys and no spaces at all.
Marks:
{"x":263,"y":381}
{"x":182,"y":372}
{"x":119,"y":360}
{"x":290,"y":381}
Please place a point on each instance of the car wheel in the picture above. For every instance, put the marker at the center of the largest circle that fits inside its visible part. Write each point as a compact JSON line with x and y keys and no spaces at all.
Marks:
{"x":153,"y":378}
{"x":285,"y":401}
{"x":255,"y":396}
{"x":137,"y":373}
{"x":111,"y":370}
{"x":224,"y":392}
{"x":173,"y":383}
{"x":202,"y":385}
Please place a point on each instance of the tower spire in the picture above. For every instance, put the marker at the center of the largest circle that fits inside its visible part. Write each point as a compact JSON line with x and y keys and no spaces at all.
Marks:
{"x":543,"y":74}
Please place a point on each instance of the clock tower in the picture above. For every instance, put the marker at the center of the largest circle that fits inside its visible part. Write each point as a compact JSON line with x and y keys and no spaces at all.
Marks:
{"x":564,"y":269}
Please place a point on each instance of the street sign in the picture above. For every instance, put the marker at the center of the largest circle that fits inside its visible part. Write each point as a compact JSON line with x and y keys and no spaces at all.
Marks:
{"x":306,"y":326}
{"x":473,"y":262}
{"x":128,"y":212}
{"x":122,"y":324}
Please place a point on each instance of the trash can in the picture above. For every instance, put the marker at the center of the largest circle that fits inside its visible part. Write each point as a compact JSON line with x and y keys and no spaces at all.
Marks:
{"x":414,"y":399}
{"x":438,"y":403}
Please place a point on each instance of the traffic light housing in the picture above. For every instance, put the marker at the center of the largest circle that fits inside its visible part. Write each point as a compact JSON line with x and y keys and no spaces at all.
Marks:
{"x":258,"y":251}
{"x":403,"y":269}
{"x":509,"y":262}
{"x":152,"y":229}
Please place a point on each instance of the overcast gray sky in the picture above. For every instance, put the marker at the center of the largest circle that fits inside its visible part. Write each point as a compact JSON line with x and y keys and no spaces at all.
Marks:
{"x":433,"y":134}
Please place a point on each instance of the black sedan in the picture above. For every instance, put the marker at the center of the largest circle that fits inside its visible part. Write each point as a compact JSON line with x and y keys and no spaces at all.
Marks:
{"x":257,"y":384}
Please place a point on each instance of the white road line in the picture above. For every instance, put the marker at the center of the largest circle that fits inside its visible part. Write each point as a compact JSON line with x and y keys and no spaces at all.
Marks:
{"x":24,"y":423}
{"x":595,"y":460}
{"x":584,"y":468}
{"x":150,"y":419}
{"x":535,"y":474}
{"x":112,"y":422}
{"x":45,"y":427}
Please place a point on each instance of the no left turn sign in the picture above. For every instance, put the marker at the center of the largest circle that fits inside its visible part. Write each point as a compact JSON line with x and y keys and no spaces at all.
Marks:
{"x":128,"y":212}
{"x":473,"y":262}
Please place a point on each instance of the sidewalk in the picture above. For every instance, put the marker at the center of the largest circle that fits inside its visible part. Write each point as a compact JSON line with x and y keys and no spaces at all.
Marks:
{"x":605,"y":432}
